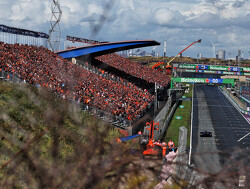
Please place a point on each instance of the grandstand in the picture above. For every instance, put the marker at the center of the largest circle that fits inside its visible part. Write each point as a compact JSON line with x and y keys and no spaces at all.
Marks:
{"x":135,"y":69}
{"x":41,"y":67}
{"x":107,"y":93}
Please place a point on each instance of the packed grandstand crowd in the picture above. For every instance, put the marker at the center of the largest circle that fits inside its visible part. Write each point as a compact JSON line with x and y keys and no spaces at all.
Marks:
{"x":135,"y":69}
{"x":41,"y":67}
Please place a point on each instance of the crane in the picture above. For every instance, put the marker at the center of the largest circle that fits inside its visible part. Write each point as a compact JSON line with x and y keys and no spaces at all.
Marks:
{"x":168,"y":67}
{"x":148,"y":147}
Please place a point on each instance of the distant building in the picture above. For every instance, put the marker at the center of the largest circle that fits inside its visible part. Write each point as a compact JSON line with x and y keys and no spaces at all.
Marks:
{"x":165,"y":48}
{"x":240,"y":55}
{"x":142,"y":53}
{"x":221,"y":54}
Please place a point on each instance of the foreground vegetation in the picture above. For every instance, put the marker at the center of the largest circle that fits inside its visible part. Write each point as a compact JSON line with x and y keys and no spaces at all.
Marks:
{"x":49,"y":143}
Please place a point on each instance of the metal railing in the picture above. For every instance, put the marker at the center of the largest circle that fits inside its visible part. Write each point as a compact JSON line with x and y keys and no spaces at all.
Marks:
{"x":166,"y":120}
{"x":235,"y":102}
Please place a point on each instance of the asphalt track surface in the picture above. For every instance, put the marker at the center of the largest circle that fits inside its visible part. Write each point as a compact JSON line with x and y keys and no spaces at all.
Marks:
{"x":213,"y":112}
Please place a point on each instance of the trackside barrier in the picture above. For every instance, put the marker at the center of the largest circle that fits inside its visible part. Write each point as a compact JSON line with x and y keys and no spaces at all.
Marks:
{"x":162,"y":114}
{"x":162,"y":119}
{"x":10,"y":77}
{"x":183,"y":171}
{"x":167,"y":120}
{"x":235,"y":102}
{"x":182,"y":157}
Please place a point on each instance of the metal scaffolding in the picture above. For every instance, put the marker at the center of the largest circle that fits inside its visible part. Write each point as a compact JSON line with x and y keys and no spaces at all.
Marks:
{"x":55,"y":31}
{"x":11,"y":38}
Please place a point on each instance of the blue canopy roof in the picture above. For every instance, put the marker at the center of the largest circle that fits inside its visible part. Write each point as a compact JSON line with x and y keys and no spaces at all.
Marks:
{"x":105,"y":48}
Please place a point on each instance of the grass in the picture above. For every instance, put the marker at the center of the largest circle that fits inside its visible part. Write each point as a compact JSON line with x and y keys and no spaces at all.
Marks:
{"x":190,"y":93}
{"x":175,"y":124}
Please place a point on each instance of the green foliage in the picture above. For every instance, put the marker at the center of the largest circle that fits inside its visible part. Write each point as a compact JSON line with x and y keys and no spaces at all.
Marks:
{"x":113,"y":134}
{"x":44,"y":144}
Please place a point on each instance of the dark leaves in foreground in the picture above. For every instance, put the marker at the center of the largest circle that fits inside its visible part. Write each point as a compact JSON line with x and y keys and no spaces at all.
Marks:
{"x":49,"y":143}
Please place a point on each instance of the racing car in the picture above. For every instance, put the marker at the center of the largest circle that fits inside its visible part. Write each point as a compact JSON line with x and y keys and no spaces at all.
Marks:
{"x":205,"y":134}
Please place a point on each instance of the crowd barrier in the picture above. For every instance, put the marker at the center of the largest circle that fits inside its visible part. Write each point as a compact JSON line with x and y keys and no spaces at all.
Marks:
{"x":245,"y":90}
{"x":241,"y":106}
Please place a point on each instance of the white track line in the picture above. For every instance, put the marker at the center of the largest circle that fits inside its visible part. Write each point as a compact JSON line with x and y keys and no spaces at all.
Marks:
{"x":191,"y":132}
{"x":244,"y":137}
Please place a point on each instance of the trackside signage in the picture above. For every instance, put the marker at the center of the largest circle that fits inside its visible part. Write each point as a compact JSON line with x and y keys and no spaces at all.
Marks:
{"x":202,"y":80}
{"x":192,"y":80}
{"x":223,"y":68}
{"x":247,"y":69}
{"x":187,"y":66}
{"x":210,"y":67}
{"x":213,"y":72}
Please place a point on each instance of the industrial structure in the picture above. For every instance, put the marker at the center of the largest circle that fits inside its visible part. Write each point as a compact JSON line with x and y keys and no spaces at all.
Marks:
{"x":55,"y":31}
{"x":165,"y":48}
{"x":221,"y":54}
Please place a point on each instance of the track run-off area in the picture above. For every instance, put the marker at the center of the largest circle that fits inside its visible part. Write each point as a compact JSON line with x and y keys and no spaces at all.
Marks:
{"x":213,"y":112}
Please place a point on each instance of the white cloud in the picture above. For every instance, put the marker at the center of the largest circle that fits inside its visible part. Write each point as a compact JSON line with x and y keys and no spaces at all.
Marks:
{"x":177,"y":21}
{"x":168,"y":17}
{"x":22,"y":10}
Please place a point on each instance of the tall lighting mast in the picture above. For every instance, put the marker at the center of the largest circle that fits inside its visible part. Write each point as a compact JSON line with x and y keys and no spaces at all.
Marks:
{"x":55,"y":31}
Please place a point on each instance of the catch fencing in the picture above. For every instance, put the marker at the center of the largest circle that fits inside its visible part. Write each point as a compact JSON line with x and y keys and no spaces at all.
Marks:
{"x":168,"y":110}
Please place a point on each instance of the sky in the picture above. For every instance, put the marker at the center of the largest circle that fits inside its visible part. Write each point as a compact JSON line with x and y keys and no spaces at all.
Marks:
{"x":179,"y":22}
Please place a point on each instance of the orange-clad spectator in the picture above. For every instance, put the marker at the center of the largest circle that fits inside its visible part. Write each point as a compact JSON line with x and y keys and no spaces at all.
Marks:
{"x":164,"y":149}
{"x":170,"y":144}
{"x":135,"y":69}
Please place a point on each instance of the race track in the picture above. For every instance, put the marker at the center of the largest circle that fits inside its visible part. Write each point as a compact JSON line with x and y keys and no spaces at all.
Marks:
{"x":213,"y":112}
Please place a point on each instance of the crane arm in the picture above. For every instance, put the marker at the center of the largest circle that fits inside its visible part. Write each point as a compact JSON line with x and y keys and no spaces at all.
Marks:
{"x":156,"y":65}
{"x":152,"y":128}
{"x":184,"y":50}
